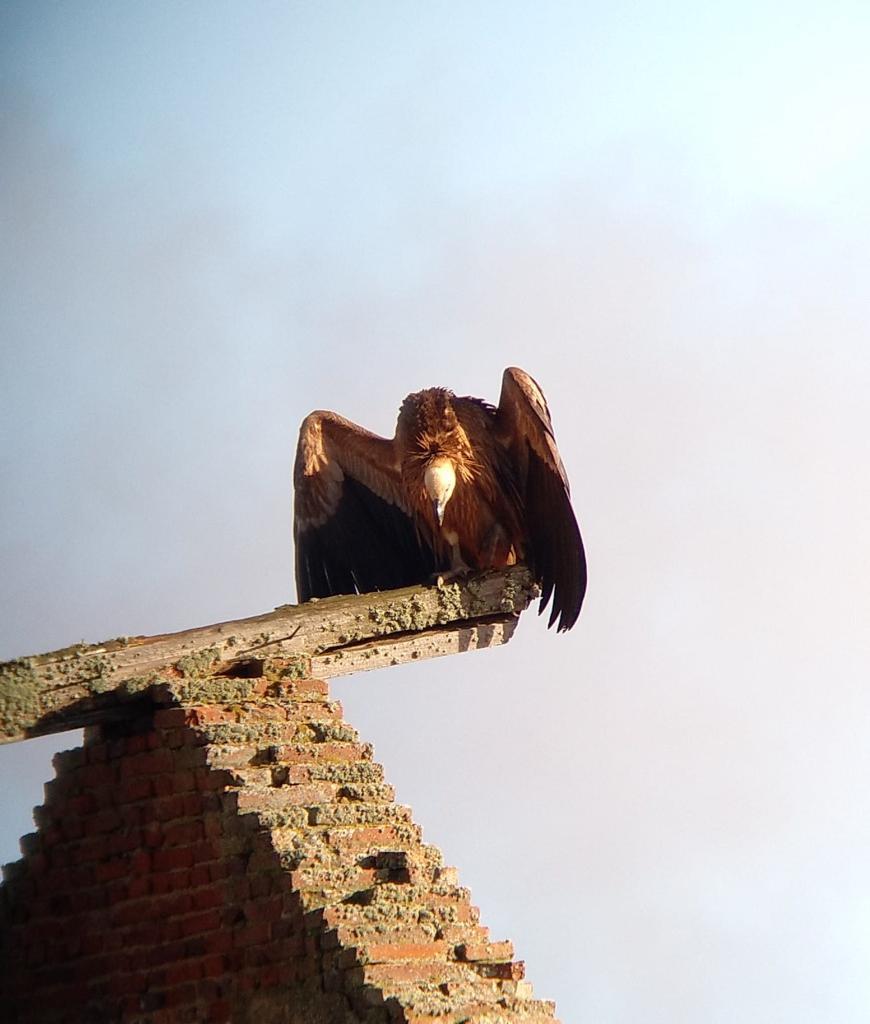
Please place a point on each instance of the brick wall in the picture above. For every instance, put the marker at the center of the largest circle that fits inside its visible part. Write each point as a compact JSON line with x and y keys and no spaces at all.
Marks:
{"x":235,"y":855}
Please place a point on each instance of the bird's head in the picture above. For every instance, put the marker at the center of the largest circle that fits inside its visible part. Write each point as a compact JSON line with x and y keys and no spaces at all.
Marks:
{"x":439,"y":479}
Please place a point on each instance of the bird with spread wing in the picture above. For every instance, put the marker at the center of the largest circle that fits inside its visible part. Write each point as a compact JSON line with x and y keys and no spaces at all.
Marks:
{"x":463,"y":486}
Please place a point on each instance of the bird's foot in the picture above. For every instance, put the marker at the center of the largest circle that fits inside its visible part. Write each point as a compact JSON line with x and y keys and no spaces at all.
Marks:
{"x":439,"y":579}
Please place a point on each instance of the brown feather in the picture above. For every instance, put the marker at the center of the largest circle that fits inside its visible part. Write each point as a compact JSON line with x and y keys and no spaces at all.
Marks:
{"x":510,"y":501}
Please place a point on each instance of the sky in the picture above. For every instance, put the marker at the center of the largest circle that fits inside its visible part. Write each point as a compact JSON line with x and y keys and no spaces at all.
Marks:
{"x":217,"y":217}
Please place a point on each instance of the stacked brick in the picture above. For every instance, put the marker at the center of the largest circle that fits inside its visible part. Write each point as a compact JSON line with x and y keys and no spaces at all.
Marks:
{"x":242,"y":860}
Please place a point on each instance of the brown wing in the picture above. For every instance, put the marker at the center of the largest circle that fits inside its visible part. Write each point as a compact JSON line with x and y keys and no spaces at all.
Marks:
{"x":556,"y":552}
{"x":350,"y":525}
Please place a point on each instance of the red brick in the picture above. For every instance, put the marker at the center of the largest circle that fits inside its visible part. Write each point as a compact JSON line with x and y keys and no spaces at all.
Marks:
{"x":145,"y":933}
{"x":72,"y":828}
{"x":303,"y":794}
{"x":135,"y":789}
{"x":170,"y":881}
{"x":350,"y":840}
{"x":491,"y":951}
{"x":162,"y":953}
{"x":209,"y":990}
{"x":248,"y":981}
{"x":135,"y":744}
{"x":287,"y":929}
{"x":207,"y":850}
{"x":139,"y":887}
{"x":173,"y":738}
{"x":196,"y":924}
{"x":260,"y":954}
{"x":106,"y":795}
{"x":209,"y":714}
{"x":123,"y":841}
{"x":329,"y":751}
{"x":135,"y":815}
{"x":176,"y":857}
{"x":218,"y":1012}
{"x":162,"y":785}
{"x":421,"y":970}
{"x":97,"y":775}
{"x":176,"y":997}
{"x":96,"y":752}
{"x":466,"y":912}
{"x":212,"y":778}
{"x":213,"y":966}
{"x":302,"y":687}
{"x":105,"y":820}
{"x":94,"y":848}
{"x":183,"y":781}
{"x":515,"y":971}
{"x":200,"y":874}
{"x":204,"y":899}
{"x":229,"y":867}
{"x":93,"y":942}
{"x":81,"y":805}
{"x":220,"y":941}
{"x":182,"y":833}
{"x":185,"y":970}
{"x":261,"y":882}
{"x":174,"y":904}
{"x":132,"y":913}
{"x":110,"y":869}
{"x":152,"y":834}
{"x":167,"y":808}
{"x":296,"y":971}
{"x":192,"y":737}
{"x":160,"y":759}
{"x":263,"y":910}
{"x":170,"y":718}
{"x":197,"y":803}
{"x":50,"y":835}
{"x":212,"y":826}
{"x":270,"y":976}
{"x":255,"y":932}
{"x":387,"y":952}
{"x":82,"y":875}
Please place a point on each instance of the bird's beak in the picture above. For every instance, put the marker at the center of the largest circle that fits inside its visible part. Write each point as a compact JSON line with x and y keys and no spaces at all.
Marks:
{"x":439,"y":507}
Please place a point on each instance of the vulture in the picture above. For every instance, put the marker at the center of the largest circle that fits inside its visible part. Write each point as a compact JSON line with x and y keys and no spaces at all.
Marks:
{"x":463,"y":486}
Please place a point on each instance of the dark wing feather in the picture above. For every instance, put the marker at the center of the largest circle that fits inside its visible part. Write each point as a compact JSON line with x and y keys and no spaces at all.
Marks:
{"x":352,"y":532}
{"x":556,"y":554}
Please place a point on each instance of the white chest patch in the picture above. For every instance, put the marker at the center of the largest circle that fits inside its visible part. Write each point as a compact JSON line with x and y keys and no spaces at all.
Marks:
{"x":439,"y":480}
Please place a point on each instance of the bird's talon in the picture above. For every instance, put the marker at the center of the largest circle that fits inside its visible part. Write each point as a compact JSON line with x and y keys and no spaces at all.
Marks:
{"x":450,"y":576}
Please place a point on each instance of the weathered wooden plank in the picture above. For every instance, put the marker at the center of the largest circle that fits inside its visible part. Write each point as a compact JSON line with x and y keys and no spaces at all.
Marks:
{"x":86,"y":683}
{"x":397,"y":650}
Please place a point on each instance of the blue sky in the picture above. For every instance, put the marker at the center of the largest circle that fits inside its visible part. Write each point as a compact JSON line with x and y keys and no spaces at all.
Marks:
{"x":220,"y":216}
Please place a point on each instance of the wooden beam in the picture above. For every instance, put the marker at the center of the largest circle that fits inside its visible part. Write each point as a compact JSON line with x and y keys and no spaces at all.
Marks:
{"x":89,"y":683}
